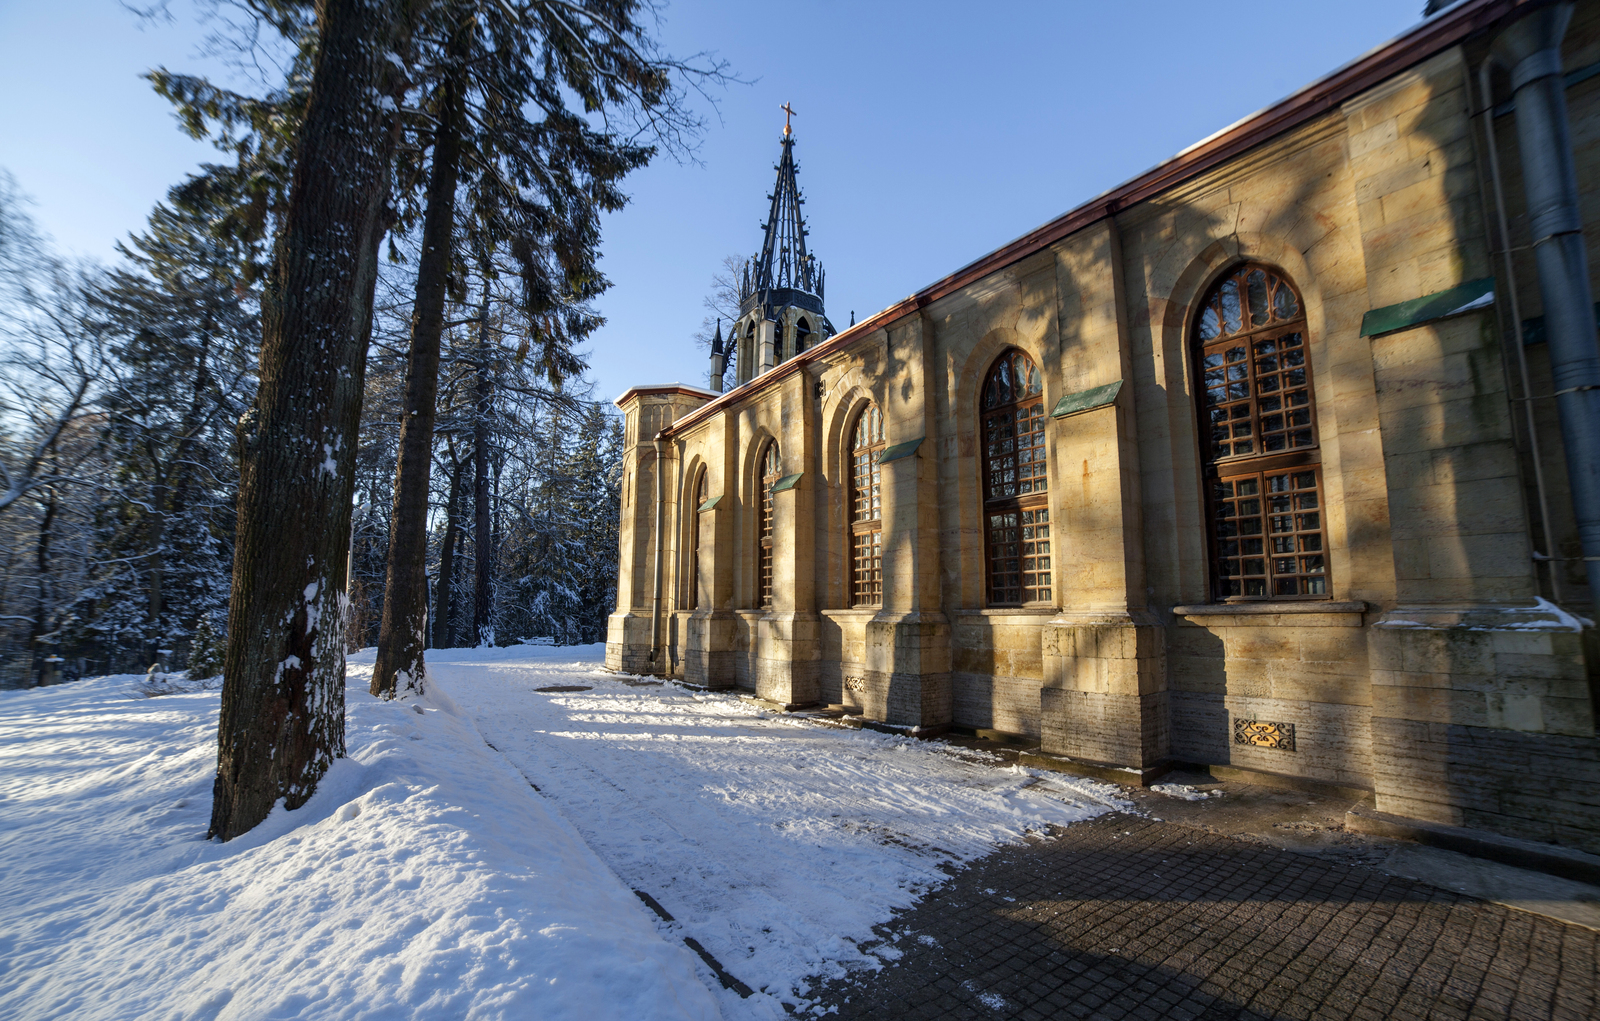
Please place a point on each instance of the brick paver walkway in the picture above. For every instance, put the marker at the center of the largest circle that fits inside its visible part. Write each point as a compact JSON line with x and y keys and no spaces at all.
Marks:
{"x":1125,"y":917}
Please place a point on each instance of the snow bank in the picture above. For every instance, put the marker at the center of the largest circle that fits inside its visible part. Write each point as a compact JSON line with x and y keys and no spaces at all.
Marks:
{"x":774,"y":843}
{"x":424,"y":880}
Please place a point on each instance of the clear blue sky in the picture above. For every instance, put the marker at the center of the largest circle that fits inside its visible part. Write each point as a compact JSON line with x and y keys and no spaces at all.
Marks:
{"x":928,"y":133}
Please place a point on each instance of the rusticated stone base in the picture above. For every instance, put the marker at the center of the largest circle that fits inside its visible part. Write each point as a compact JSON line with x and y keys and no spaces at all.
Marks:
{"x":1481,"y":718}
{"x":1118,"y":730}
{"x":1104,"y":697}
{"x":628,"y":643}
{"x":907,"y":680}
{"x":787,"y":648}
{"x":709,"y":651}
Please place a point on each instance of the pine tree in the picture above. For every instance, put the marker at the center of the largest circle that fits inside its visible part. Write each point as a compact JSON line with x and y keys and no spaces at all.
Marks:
{"x":533,"y":188}
{"x":282,"y":719}
{"x":207,"y":646}
{"x":187,"y":336}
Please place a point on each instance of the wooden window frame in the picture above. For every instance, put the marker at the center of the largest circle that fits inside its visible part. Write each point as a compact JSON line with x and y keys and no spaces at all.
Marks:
{"x":865,"y":572}
{"x":771,"y":471}
{"x":1031,"y":509}
{"x":1245,"y":530}
{"x":695,"y":595}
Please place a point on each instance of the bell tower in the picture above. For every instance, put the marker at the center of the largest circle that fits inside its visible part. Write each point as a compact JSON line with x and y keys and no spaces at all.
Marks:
{"x":780,"y":290}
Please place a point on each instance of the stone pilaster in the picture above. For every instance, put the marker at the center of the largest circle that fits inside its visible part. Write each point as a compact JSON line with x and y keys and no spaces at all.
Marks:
{"x":908,"y":641}
{"x":710,"y":632}
{"x":789,"y":635}
{"x":767,"y":342}
{"x":1480,"y":701}
{"x":630,"y":631}
{"x":1104,"y":697}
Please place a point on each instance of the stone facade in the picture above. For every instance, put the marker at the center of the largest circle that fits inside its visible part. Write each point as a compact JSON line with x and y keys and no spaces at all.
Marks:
{"x":1437,"y":670}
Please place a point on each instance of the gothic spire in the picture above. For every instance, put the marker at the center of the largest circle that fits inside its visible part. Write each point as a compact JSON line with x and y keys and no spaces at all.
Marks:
{"x":784,"y":261}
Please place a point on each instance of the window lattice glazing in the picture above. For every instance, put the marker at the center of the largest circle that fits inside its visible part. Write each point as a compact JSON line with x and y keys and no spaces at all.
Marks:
{"x":1259,"y":438}
{"x":771,"y":471}
{"x":694,"y":558}
{"x":1019,"y":556}
{"x":1016,"y":483}
{"x":866,"y":509}
{"x":1269,"y":535}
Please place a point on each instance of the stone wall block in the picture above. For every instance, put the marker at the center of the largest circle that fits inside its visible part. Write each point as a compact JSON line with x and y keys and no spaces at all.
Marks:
{"x":1116,"y":730}
{"x":787,"y":657}
{"x":1434,"y":705}
{"x":710,"y":649}
{"x":628,"y":641}
{"x":995,"y":702}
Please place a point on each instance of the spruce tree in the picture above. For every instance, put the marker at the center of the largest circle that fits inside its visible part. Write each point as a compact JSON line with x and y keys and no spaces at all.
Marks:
{"x":535,"y":176}
{"x":282,"y":720}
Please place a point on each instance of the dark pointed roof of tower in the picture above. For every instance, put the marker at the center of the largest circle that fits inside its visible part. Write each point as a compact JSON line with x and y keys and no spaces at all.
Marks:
{"x":784,"y":273}
{"x":784,"y":261}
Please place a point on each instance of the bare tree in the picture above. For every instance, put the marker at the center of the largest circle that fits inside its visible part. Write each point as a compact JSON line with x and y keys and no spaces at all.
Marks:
{"x":721,"y":301}
{"x":53,"y":359}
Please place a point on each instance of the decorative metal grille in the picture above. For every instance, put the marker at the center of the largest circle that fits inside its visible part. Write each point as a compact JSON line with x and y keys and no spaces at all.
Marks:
{"x":694,"y":558}
{"x":771,"y":471}
{"x":1260,"y":440}
{"x":866,"y":509}
{"x":1016,"y":482}
{"x":1261,"y":734}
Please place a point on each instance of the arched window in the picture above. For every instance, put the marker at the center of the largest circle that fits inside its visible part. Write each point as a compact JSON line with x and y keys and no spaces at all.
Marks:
{"x":694,"y":543}
{"x":1015,"y":483}
{"x":1259,"y":433}
{"x":866,"y":509}
{"x":771,"y":471}
{"x":802,"y":335}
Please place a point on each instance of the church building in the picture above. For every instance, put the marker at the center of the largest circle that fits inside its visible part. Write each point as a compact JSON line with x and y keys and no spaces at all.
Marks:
{"x":1282,"y":458}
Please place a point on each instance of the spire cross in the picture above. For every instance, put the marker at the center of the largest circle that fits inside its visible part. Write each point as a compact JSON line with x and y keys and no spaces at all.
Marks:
{"x":788,"y":112}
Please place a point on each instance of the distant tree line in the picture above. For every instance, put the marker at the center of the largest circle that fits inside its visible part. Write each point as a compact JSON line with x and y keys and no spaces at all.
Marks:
{"x":388,"y":434}
{"x":120,"y":392}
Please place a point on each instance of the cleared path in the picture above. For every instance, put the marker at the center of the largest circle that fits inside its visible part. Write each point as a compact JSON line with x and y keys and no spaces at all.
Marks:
{"x":775,"y":844}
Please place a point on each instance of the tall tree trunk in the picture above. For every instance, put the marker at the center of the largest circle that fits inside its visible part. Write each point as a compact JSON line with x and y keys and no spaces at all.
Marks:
{"x":482,"y":538}
{"x":176,"y":483}
{"x":282,"y":718}
{"x":41,"y":605}
{"x":155,"y":566}
{"x":155,"y":540}
{"x":444,"y":635}
{"x":403,"y":634}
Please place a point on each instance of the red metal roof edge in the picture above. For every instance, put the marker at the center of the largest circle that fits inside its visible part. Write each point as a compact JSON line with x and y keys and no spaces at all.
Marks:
{"x":653,"y":389}
{"x":1372,"y":68}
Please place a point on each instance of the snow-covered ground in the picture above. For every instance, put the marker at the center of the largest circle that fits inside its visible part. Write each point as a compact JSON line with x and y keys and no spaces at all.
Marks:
{"x":475,"y":860}
{"x":425,"y":879}
{"x":775,"y":843}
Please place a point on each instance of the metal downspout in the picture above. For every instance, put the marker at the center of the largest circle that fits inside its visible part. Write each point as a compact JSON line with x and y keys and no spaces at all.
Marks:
{"x":661,"y":544}
{"x":1531,"y":49}
{"x":1552,"y":562}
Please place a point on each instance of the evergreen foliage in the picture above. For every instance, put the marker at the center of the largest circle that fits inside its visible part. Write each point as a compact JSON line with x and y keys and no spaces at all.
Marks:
{"x":123,"y":390}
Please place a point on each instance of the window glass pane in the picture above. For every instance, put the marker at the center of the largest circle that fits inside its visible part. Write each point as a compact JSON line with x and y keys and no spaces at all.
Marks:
{"x":1232,"y":317}
{"x":1255,"y":400}
{"x":1015,"y":475}
{"x":1256,"y":288}
{"x":1283,"y":304}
